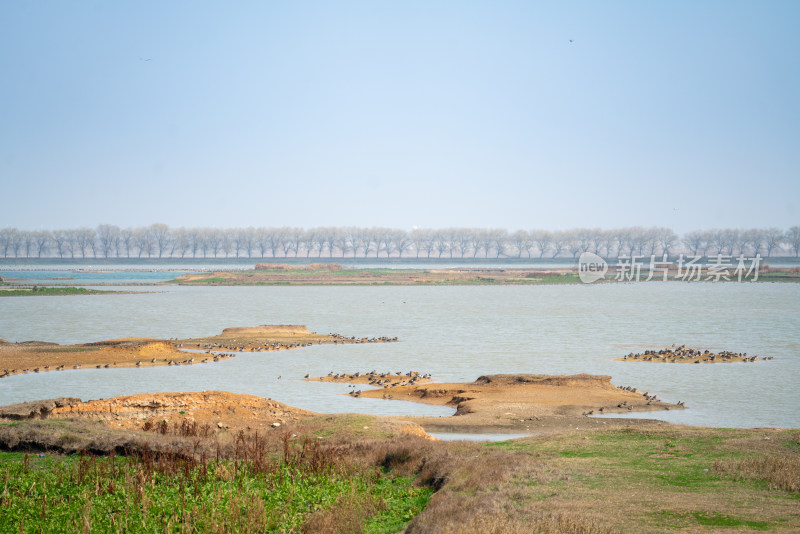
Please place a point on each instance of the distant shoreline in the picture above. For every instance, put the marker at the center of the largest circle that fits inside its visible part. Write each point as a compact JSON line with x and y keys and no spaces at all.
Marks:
{"x":347,"y":260}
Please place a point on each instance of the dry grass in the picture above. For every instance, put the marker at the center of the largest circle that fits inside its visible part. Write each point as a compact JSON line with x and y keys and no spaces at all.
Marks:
{"x":616,"y":480}
{"x":782,"y":472}
{"x":543,"y":524}
{"x":344,"y":517}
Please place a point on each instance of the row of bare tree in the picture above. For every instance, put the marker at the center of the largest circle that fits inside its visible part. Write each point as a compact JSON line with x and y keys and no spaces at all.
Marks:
{"x":158,"y":240}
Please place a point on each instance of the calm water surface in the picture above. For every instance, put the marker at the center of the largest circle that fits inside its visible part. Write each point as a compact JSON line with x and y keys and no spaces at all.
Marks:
{"x":456,"y":333}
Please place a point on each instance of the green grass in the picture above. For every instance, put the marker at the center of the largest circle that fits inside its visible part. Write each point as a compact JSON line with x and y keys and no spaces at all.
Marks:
{"x":52,"y":291}
{"x":693,"y":519}
{"x":778,"y":277}
{"x":209,"y":280}
{"x":57,"y":494}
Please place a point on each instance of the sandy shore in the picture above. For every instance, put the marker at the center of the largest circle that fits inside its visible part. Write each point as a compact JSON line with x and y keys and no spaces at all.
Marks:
{"x":220,"y":410}
{"x":513,"y":403}
{"x":491,"y":404}
{"x":41,"y":356}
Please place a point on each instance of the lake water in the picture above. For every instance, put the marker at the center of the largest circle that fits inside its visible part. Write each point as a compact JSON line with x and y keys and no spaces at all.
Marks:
{"x":456,"y":333}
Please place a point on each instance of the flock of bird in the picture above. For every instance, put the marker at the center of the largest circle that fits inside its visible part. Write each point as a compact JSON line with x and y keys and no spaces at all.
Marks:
{"x":217,"y":356}
{"x":376,"y":379}
{"x":354,"y":339}
{"x":683,"y":354}
{"x":651,"y":400}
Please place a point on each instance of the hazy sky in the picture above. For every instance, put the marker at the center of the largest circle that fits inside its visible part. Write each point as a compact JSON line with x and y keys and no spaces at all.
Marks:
{"x":400,"y":113}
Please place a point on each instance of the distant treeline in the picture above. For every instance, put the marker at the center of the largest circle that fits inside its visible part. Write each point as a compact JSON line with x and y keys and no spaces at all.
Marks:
{"x":161,"y":241}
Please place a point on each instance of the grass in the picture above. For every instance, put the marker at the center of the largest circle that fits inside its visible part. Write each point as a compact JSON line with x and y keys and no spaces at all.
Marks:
{"x":351,"y":473}
{"x":778,"y":277}
{"x":300,"y":486}
{"x":51,"y":291}
{"x":665,"y":479}
{"x":375,"y":276}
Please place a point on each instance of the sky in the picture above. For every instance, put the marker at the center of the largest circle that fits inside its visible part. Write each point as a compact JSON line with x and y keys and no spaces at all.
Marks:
{"x":516,"y":115}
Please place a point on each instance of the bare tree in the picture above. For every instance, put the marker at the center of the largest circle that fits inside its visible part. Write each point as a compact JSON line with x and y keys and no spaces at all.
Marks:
{"x":694,"y":241}
{"x":235,"y":239}
{"x":558,"y":242}
{"x":367,"y":239}
{"x":608,"y":243}
{"x":792,"y":238}
{"x":109,"y":240}
{"x":84,"y":240}
{"x":484,"y":241}
{"x":597,"y":237}
{"x":574,"y":245}
{"x":772,"y":240}
{"x":441,"y":243}
{"x":522,"y":242}
{"x":543,"y":240}
{"x":402,"y":242}
{"x":127,"y":240}
{"x":262,"y":240}
{"x":666,"y":240}
{"x":752,"y":239}
{"x":8,"y":239}
{"x":180,"y":242}
{"x":213,"y":239}
{"x":106,"y":234}
{"x":343,"y":240}
{"x":499,"y":241}
{"x":460,"y":241}
{"x":59,"y":240}
{"x":419,"y":237}
{"x":42,"y":239}
{"x":650,"y":241}
{"x":27,"y":242}
{"x":161,"y":236}
{"x":325,"y":236}
{"x":731,"y":238}
{"x":143,"y":240}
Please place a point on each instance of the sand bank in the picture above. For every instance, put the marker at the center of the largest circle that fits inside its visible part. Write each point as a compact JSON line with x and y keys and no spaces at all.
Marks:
{"x":515,"y":403}
{"x":684,"y":354}
{"x":41,"y":356}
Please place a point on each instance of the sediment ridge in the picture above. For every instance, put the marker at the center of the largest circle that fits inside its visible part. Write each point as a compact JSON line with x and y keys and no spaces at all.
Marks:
{"x":42,"y":356}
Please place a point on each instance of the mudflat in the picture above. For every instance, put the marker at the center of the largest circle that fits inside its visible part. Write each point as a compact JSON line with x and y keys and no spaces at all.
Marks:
{"x":41,"y":356}
{"x":491,"y":404}
{"x":517,"y":403}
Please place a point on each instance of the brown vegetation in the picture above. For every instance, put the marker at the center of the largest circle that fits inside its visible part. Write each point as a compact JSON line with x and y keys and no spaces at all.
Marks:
{"x":299,"y":275}
{"x":599,"y":479}
{"x":289,"y":267}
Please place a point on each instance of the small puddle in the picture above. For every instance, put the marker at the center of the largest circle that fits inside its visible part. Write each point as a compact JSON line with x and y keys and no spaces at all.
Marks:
{"x":464,"y":436}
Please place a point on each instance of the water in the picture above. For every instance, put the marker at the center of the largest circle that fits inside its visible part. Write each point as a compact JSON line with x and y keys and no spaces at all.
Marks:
{"x":466,"y":436}
{"x":457,"y":333}
{"x":57,"y":277}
